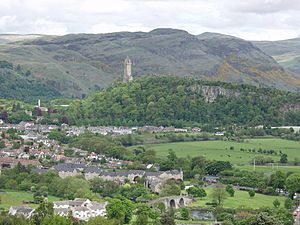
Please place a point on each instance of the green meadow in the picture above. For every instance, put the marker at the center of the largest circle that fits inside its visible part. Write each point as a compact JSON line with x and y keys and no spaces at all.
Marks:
{"x":16,"y":198}
{"x":241,"y":199}
{"x":221,"y":150}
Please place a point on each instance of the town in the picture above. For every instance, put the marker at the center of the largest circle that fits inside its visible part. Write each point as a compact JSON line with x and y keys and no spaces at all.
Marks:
{"x":154,"y":112}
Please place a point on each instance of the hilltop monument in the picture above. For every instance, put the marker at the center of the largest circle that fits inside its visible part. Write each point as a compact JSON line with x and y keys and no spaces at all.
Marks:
{"x":127,"y":70}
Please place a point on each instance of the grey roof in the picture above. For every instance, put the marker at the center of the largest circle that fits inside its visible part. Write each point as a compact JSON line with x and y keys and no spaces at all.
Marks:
{"x":158,"y":173}
{"x":40,"y":171}
{"x":81,"y":208}
{"x":122,"y":173}
{"x":22,"y":209}
{"x":92,"y":169}
{"x":154,"y":174}
{"x":138,"y":172}
{"x":98,"y":206}
{"x":67,"y":202}
{"x":61,"y":210}
{"x":69,"y":167}
{"x":77,"y":203}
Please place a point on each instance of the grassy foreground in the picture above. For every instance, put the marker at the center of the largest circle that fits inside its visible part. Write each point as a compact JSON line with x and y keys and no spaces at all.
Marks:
{"x":241,"y":199}
{"x":15,"y":198}
{"x":220,"y":150}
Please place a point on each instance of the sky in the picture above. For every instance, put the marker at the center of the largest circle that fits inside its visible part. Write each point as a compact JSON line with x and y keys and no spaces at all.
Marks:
{"x":247,"y":19}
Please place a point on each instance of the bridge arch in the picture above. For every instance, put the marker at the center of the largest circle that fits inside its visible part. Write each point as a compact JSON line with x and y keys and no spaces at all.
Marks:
{"x":181,"y":202}
{"x":172,"y":203}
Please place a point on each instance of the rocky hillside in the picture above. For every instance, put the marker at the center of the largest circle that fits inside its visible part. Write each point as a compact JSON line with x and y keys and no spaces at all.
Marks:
{"x":163,"y":100}
{"x":77,"y":64}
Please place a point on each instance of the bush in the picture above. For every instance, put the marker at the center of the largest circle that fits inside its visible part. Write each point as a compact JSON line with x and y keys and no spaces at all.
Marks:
{"x":230,"y":190}
{"x":270,"y":191}
{"x":288,"y":203}
{"x":276,"y":203}
{"x":185,"y":213}
{"x":251,"y":193}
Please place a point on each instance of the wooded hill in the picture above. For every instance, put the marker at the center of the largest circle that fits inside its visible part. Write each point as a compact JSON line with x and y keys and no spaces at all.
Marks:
{"x":166,"y":100}
{"x":17,"y":83}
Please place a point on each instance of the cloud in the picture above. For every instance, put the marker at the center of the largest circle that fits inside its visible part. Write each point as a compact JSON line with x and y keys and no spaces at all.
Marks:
{"x":248,"y":19}
{"x":266,"y":6}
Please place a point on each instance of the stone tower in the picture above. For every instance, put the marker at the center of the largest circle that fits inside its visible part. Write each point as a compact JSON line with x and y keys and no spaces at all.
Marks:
{"x":127,"y":70}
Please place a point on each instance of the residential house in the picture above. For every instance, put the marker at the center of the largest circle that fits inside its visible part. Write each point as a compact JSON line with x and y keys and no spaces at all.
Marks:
{"x":80,"y":209}
{"x":25,"y":211}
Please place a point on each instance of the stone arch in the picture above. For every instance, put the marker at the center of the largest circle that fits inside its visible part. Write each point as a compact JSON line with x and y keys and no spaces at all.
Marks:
{"x":181,"y":202}
{"x":172,"y":203}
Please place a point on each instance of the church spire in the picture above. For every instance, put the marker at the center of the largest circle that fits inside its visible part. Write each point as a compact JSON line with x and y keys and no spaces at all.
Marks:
{"x":127,"y":70}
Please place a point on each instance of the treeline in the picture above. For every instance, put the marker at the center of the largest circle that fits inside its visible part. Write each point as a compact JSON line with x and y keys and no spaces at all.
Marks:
{"x":18,"y":83}
{"x":175,"y":101}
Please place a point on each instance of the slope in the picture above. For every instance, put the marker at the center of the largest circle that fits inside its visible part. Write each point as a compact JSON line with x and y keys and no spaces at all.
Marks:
{"x":77,"y":64}
{"x":286,"y":53}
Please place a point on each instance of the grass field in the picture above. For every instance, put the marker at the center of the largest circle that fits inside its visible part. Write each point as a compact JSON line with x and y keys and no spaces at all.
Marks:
{"x":241,"y":199}
{"x":15,"y":198}
{"x":270,"y":168}
{"x":220,"y":150}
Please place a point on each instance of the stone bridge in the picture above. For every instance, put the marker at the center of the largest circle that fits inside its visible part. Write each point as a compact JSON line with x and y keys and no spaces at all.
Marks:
{"x":173,"y":201}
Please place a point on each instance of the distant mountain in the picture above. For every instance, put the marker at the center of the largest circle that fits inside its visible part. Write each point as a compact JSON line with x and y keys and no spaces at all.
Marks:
{"x":9,"y":38}
{"x":79,"y":63}
{"x":286,"y":53}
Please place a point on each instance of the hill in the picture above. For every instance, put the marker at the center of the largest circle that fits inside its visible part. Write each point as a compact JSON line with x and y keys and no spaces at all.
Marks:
{"x":77,"y":64}
{"x":286,"y":53}
{"x":166,"y":100}
{"x":17,"y":83}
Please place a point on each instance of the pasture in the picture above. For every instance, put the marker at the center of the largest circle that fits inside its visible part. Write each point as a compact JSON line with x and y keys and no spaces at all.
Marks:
{"x":241,"y":199}
{"x":228,"y":150}
{"x":16,"y":198}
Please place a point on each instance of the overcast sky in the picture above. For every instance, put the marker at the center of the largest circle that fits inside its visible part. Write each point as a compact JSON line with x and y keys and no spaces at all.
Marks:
{"x":248,"y":19}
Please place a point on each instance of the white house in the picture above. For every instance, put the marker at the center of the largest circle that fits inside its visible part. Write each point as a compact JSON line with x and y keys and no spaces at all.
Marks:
{"x":81,"y":209}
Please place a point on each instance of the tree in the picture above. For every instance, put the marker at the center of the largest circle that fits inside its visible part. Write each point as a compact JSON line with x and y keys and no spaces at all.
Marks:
{"x":141,"y":219}
{"x":170,"y":162}
{"x":283,"y":158}
{"x":276,"y":203}
{"x":2,"y":144}
{"x":293,"y":183}
{"x":4,"y":116}
{"x":120,"y":209}
{"x":45,"y":210}
{"x":167,"y":218}
{"x":219,"y":194}
{"x":230,"y":190}
{"x":277,"y":180}
{"x":171,"y":187}
{"x":197,"y":192}
{"x":185,"y":213}
{"x":264,"y":219}
{"x":251,"y":193}
{"x":215,"y":167}
{"x":101,"y":221}
{"x":56,"y":220}
{"x":284,"y":216}
{"x":288,"y":203}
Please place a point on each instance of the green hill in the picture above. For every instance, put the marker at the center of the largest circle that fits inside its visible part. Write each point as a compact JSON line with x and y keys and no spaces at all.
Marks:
{"x":78,"y":64}
{"x":17,"y":83}
{"x":165,"y":100}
